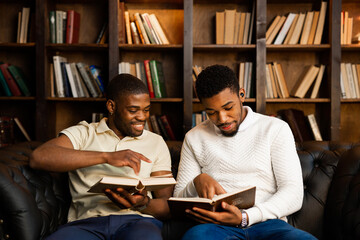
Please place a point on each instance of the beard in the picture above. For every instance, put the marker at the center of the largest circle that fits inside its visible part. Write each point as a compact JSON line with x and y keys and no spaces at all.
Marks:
{"x":232,"y":133}
{"x":125,"y":127}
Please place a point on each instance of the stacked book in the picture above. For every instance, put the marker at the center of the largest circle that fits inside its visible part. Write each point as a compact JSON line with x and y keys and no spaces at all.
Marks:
{"x":234,"y":27}
{"x":297,"y":28}
{"x":247,"y":78}
{"x":150,"y":72}
{"x":350,"y":80}
{"x":276,"y":86}
{"x":75,"y":79}
{"x":12,"y":81}
{"x":23,"y":25}
{"x":64,"y":26}
{"x":139,"y":28}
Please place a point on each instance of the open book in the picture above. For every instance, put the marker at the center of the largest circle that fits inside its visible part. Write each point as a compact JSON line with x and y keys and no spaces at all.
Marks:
{"x":243,"y":199}
{"x":133,"y":185}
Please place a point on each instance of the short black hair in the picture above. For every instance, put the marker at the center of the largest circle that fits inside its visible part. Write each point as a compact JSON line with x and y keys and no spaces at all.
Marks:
{"x":215,"y":79}
{"x":123,"y":85}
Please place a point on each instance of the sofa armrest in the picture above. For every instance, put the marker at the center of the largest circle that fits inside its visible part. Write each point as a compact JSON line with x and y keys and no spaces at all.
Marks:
{"x":33,"y":203}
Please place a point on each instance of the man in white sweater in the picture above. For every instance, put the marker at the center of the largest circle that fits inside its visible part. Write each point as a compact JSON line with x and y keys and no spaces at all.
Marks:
{"x":238,"y":148}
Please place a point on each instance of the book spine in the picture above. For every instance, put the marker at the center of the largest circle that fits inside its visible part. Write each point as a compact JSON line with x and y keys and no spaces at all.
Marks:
{"x":155,"y":125}
{"x":65,"y":79}
{"x":148,"y":78}
{"x":161,"y":78}
{"x":102,"y":32}
{"x":15,"y":91}
{"x":86,"y":79}
{"x":52,"y":27}
{"x":142,"y":28}
{"x":155,"y":79}
{"x":69,"y":74}
{"x":127,"y":27}
{"x":15,"y":72}
{"x":168,"y":128}
{"x":134,"y":33}
{"x":4,"y":85}
{"x":70,"y":26}
{"x":162,"y":129}
{"x":96,"y":73}
{"x":121,"y":22}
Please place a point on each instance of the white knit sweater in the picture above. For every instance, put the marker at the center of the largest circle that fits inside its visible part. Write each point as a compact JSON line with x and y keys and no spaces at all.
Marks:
{"x":261,"y":154}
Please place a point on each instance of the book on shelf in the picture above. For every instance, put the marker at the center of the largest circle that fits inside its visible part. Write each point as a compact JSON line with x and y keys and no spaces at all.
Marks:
{"x":19,"y":77}
{"x":237,"y":27}
{"x":276,"y":29}
{"x":349,"y":30}
{"x":154,"y":124}
{"x":229,"y":26}
{"x":247,"y":28}
{"x":96,"y":73}
{"x":252,"y":20}
{"x":243,"y":199}
{"x":101,"y":38}
{"x":305,"y":81}
{"x":90,"y":84}
{"x":157,"y":77}
{"x":163,"y":131}
{"x":313,"y":27}
{"x":65,"y":80}
{"x":321,"y":23}
{"x":291,"y":29}
{"x":140,"y":72}
{"x":75,"y":77}
{"x":121,"y":22}
{"x":168,"y":127}
{"x":285,"y":28}
{"x":279,"y":73}
{"x":297,"y":123}
{"x":4,"y":87}
{"x":269,"y":91}
{"x":149,"y":78}
{"x":307,"y":27}
{"x":356,"y":39}
{"x":52,"y":26}
{"x":274,"y":84}
{"x":351,"y":82}
{"x":314,"y":127}
{"x":154,"y":36}
{"x":319,"y":77}
{"x":241,"y":27}
{"x":18,"y":28}
{"x":272,"y":26}
{"x":138,"y":29}
{"x":344,"y":81}
{"x":59,"y":25}
{"x":134,"y":33}
{"x":127,"y":28}
{"x":10,"y":81}
{"x":294,"y":39}
{"x":22,"y":129}
{"x":220,"y":22}
{"x":73,"y":85}
{"x":24,"y":26}
{"x":158,"y":29}
{"x":133,"y":185}
{"x":356,"y":79}
{"x":142,"y":28}
{"x":72,"y":26}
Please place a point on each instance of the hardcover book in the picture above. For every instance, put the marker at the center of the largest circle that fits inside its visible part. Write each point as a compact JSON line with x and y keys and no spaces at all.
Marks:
{"x":133,"y":185}
{"x":72,"y":26}
{"x":244,"y":198}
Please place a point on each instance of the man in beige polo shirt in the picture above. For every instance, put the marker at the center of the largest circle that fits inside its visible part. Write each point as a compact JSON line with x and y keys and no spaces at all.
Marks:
{"x":116,"y":146}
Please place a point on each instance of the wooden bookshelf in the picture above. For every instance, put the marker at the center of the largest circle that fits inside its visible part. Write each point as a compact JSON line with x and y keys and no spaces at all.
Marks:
{"x":190,"y":27}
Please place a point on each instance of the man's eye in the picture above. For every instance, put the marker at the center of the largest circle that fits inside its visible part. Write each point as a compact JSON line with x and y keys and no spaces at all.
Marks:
{"x":132,"y":111}
{"x":147,"y":110}
{"x":229,"y":108}
{"x":210,"y":113}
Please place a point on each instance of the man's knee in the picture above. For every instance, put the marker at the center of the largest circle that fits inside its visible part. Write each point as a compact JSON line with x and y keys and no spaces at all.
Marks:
{"x":142,"y":229}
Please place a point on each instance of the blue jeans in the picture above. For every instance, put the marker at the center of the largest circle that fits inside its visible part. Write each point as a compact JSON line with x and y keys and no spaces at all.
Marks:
{"x":270,"y":229}
{"x":124,"y":227}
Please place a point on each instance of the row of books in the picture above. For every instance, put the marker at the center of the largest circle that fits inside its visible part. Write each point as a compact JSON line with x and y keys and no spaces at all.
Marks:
{"x":162,"y":126}
{"x":75,"y":79}
{"x":297,"y":28}
{"x":247,"y":78}
{"x":150,"y":72}
{"x":139,"y":28}
{"x":23,"y":25}
{"x":234,"y":27}
{"x":12,"y":81}
{"x":198,"y":118}
{"x":64,"y":26}
{"x":304,"y":128}
{"x":350,"y":80}
{"x":346,"y":28}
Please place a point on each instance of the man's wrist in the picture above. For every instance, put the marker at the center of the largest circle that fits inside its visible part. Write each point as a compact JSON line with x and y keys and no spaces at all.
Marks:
{"x":142,"y":207}
{"x":244,"y":219}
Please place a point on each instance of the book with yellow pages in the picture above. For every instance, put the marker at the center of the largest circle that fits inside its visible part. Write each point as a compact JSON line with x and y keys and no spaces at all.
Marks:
{"x":133,"y":185}
{"x":244,"y":198}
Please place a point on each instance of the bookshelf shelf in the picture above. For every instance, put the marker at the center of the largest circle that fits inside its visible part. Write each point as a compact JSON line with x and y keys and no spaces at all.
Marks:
{"x":22,"y":98}
{"x":298,"y":47}
{"x":77,"y":47}
{"x":150,"y":47}
{"x":17,"y":45}
{"x":215,"y":47}
{"x":297,"y":100}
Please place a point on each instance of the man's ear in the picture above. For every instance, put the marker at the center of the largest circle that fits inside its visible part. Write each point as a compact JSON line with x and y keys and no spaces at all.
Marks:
{"x":242,"y":94}
{"x":110,"y":105}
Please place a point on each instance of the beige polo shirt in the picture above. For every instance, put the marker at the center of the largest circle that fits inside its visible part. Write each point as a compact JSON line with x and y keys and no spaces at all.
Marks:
{"x":99,"y":137}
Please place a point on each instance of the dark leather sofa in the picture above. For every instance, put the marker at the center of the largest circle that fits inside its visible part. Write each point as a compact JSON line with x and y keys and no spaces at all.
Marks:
{"x":34,"y":203}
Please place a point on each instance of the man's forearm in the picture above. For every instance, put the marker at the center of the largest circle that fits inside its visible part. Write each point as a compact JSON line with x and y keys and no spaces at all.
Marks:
{"x":158,"y":208}
{"x":58,"y":155}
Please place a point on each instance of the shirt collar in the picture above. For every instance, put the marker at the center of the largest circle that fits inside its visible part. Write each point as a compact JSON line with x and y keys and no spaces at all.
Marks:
{"x":103,"y":127}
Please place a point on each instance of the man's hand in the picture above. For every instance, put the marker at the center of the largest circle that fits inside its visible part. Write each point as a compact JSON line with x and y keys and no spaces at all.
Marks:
{"x":123,"y":199}
{"x":126,"y":158}
{"x":207,"y":187}
{"x":230,"y":216}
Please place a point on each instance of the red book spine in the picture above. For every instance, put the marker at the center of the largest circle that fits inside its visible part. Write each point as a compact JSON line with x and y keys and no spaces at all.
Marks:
{"x":169,"y":130}
{"x":72,"y":27}
{"x":10,"y":80}
{"x":148,"y":78}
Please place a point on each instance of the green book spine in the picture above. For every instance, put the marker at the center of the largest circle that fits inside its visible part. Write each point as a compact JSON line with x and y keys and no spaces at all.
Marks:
{"x":52,"y":25}
{"x":155,"y":79}
{"x":15,"y":72}
{"x":4,"y":85}
{"x":161,"y":77}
